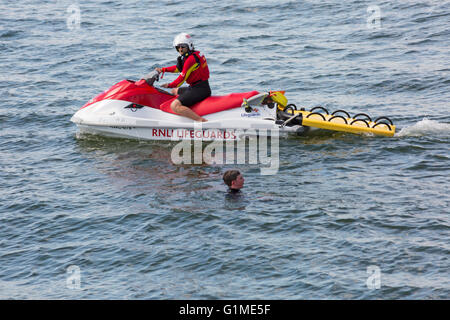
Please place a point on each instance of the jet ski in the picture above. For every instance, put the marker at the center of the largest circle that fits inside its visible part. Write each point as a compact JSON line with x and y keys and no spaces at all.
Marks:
{"x":139,"y":110}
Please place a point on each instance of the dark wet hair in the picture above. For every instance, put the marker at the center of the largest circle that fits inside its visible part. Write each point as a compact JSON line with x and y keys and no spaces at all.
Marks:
{"x":229,"y":176}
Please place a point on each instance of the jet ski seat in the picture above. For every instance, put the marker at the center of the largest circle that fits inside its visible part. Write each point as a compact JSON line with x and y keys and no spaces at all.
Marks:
{"x":214,"y":104}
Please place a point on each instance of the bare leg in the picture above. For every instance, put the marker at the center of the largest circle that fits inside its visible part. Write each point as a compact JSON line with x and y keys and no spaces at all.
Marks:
{"x":178,"y":108}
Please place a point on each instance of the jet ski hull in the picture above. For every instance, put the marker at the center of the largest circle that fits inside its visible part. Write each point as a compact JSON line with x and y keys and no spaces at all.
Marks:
{"x":113,"y":118}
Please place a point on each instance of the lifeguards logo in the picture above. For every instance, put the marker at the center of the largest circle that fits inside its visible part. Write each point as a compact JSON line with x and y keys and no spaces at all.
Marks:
{"x":210,"y":134}
{"x":203,"y":61}
{"x":255,"y":113}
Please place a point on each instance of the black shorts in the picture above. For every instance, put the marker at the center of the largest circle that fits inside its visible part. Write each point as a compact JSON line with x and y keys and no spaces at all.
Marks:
{"x":189,"y":96}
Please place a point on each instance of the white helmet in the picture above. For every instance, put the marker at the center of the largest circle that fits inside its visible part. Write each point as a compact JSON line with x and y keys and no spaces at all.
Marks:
{"x":183,"y":38}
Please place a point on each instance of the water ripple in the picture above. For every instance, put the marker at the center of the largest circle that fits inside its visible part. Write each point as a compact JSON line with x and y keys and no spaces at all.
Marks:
{"x":140,"y":227}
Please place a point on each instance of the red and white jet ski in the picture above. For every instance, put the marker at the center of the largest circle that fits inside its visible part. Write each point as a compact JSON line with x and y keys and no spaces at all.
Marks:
{"x":137,"y":109}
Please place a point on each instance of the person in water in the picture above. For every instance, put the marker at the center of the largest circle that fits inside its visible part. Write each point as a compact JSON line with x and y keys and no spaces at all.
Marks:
{"x":234,"y":180}
{"x":194,"y":70}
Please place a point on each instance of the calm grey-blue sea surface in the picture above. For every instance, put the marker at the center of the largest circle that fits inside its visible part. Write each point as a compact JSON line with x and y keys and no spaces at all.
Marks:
{"x":346,"y":216}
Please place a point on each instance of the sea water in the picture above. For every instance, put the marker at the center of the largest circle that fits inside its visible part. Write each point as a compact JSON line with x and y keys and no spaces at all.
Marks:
{"x":345,"y":216}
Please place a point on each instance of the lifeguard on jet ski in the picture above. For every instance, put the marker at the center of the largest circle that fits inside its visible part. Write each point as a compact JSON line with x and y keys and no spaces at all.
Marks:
{"x":193,"y":69}
{"x":137,"y":109}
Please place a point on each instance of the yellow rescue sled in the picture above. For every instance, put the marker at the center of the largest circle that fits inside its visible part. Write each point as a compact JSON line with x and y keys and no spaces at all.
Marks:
{"x":339,"y":120}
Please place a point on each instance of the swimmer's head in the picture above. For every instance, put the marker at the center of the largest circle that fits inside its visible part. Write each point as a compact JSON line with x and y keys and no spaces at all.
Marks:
{"x":233,"y":179}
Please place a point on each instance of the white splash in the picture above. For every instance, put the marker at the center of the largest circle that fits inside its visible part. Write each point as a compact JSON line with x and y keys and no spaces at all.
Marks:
{"x":425,"y":127}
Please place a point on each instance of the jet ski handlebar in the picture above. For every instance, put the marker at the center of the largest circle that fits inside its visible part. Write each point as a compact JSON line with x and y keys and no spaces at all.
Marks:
{"x":151,"y":77}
